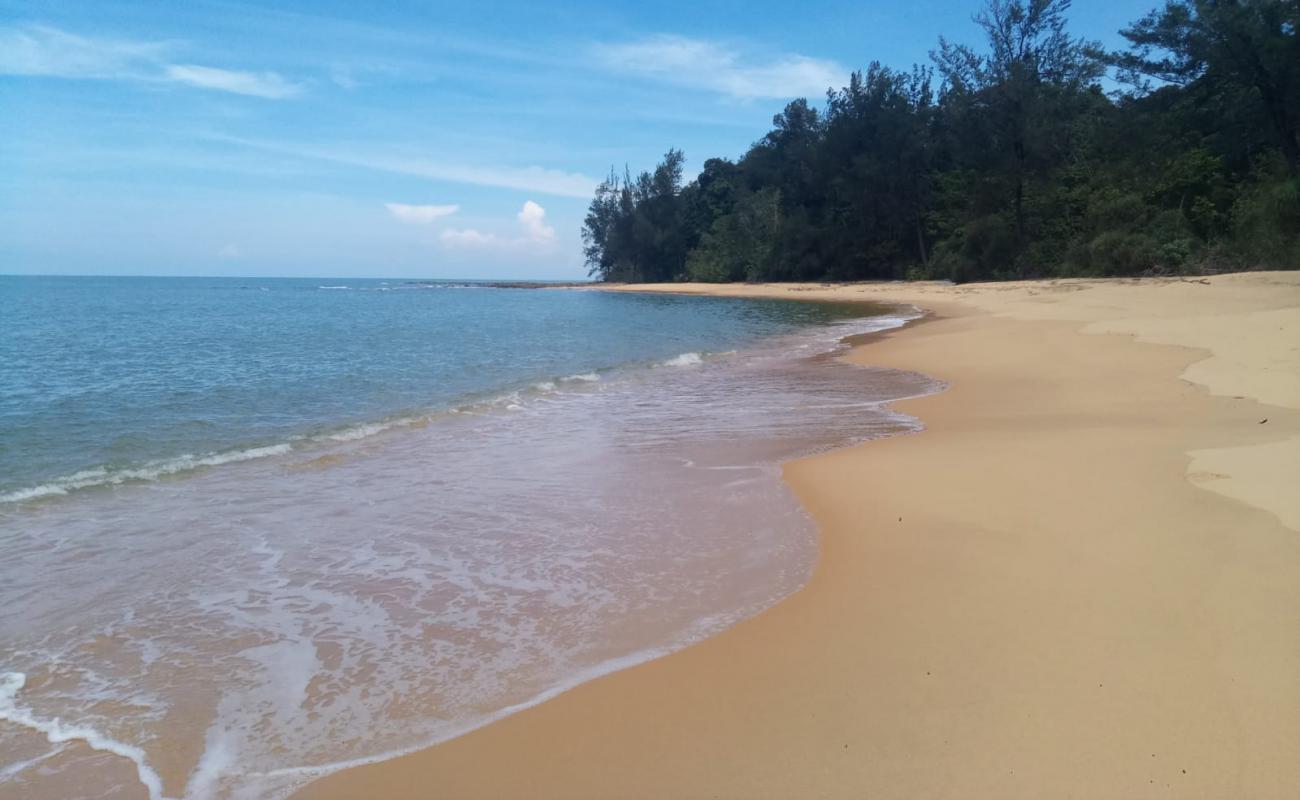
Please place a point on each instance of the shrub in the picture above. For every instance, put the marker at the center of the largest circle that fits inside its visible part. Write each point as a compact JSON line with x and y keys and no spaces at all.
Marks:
{"x":1266,"y":223}
{"x":1119,"y":253}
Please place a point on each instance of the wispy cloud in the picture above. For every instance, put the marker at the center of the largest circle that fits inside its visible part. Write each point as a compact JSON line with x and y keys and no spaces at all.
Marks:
{"x":528,"y":179}
{"x":39,"y":50}
{"x":533,"y":232}
{"x":256,"y":84}
{"x":469,"y":237}
{"x":365,"y":71}
{"x":715,"y":67}
{"x":420,"y":215}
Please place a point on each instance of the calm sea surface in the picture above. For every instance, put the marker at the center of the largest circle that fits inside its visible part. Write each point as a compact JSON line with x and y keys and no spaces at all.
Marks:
{"x":255,"y":530}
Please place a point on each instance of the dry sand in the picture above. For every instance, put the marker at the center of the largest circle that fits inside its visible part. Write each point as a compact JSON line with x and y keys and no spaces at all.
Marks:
{"x":1035,"y":597}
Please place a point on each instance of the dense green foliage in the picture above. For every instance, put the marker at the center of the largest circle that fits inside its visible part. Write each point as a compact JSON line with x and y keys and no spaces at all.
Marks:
{"x":1008,"y":161}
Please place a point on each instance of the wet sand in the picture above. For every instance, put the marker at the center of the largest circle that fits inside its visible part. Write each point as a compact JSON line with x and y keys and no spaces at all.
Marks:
{"x":1082,"y":579}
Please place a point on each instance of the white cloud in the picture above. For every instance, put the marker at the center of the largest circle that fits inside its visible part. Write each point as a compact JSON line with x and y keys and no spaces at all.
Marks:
{"x":469,"y":237}
{"x":256,"y":84}
{"x":533,"y":219}
{"x":230,"y":251}
{"x":419,"y":215}
{"x":526,"y":179}
{"x":711,"y":66}
{"x":533,"y":232}
{"x":38,"y":50}
{"x":41,"y":50}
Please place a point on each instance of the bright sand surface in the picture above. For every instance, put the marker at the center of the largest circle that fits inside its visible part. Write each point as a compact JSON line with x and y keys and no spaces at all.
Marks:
{"x":1035,"y":597}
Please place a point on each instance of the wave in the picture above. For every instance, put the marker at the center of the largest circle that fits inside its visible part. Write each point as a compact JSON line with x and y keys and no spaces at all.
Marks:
{"x":513,"y":400}
{"x":684,"y":360}
{"x":363,"y":431}
{"x":106,"y":476}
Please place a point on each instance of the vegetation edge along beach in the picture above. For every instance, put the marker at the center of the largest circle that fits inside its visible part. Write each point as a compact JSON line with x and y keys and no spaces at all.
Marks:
{"x":1039,"y":154}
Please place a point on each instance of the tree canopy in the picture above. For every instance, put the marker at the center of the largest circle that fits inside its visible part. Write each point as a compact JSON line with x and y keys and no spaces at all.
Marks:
{"x":1005,"y":159}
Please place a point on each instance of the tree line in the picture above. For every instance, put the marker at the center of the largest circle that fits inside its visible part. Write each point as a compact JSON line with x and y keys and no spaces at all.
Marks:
{"x":1010,"y":160}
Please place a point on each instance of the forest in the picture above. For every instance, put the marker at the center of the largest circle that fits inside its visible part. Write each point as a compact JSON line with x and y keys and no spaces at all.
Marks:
{"x":1031,"y":154}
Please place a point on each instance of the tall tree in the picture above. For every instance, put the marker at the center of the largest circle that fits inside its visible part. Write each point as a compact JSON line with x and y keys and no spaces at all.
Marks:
{"x":1249,"y":45}
{"x":634,"y":228}
{"x":1031,"y":62}
{"x":876,"y":171}
{"x":1019,"y":166}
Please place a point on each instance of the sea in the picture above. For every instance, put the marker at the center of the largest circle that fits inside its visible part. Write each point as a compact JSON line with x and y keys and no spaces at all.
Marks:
{"x":254,"y":531}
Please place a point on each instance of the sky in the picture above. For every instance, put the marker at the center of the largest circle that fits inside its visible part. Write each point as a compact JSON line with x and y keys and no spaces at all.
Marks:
{"x":396,"y":139}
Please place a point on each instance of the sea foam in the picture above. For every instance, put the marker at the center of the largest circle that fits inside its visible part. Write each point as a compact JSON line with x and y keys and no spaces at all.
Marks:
{"x":684,"y":360}
{"x":57,"y":732}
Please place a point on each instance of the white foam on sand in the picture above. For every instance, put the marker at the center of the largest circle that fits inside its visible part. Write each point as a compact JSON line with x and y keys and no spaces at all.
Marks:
{"x":11,"y":683}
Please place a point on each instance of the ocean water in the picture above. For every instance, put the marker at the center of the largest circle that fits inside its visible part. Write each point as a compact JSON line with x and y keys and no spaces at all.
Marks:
{"x":255,"y":531}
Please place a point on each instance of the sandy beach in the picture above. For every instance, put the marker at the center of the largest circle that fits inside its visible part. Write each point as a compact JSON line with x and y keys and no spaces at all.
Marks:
{"x":1082,"y":579}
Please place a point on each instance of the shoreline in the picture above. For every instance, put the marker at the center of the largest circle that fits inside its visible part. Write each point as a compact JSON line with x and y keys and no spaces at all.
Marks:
{"x":900,"y":316}
{"x":323,"y":434}
{"x":1031,"y":597}
{"x":592,"y":524}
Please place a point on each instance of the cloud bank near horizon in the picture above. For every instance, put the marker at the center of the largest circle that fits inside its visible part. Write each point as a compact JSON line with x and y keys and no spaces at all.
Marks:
{"x":420,"y":215}
{"x":533,"y":231}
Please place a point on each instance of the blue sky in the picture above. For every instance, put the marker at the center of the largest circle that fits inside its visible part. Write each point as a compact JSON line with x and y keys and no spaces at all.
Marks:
{"x":400,"y":139}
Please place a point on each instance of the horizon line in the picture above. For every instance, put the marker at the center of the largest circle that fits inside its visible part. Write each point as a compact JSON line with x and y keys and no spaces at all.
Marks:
{"x":295,"y":277}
